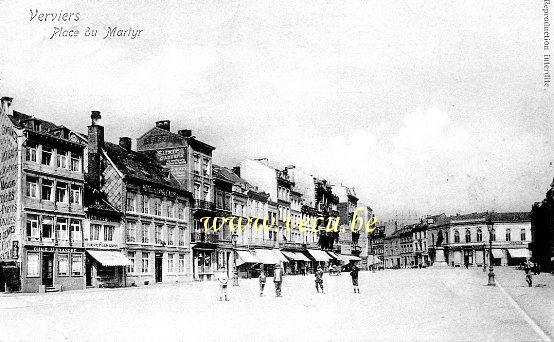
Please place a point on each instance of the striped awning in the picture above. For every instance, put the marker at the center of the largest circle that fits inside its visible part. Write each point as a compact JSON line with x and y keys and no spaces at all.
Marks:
{"x":289,"y":255}
{"x":110,"y":258}
{"x":319,"y":255}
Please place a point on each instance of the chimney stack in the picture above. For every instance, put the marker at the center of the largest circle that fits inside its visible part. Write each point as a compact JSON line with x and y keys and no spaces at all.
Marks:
{"x":164,"y":124}
{"x":95,"y":144}
{"x":7,"y":105}
{"x":186,"y":133}
{"x":125,"y":142}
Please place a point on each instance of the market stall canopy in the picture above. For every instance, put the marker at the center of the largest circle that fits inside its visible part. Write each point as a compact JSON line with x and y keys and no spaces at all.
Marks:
{"x":110,"y":258}
{"x":319,"y":255}
{"x":266,"y":256}
{"x":497,"y":253}
{"x":280,"y":255}
{"x":246,"y":257}
{"x":519,"y":253}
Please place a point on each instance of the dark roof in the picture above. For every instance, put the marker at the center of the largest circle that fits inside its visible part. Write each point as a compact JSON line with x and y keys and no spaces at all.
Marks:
{"x":47,"y":129}
{"x":511,"y":217}
{"x":228,"y":174}
{"x":96,"y":202}
{"x":140,"y":166}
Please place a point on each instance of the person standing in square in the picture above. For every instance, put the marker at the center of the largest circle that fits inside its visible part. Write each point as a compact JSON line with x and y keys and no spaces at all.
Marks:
{"x":319,"y":280}
{"x":354,"y":274}
{"x":262,"y":282}
{"x":223,"y":280}
{"x":278,"y":280}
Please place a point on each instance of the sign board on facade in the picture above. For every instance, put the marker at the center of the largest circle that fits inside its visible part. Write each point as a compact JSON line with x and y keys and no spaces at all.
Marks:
{"x":158,"y":191}
{"x":51,"y":249}
{"x":8,"y":186}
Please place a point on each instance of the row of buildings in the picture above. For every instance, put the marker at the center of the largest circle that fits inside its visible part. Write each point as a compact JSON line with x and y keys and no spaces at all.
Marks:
{"x":464,"y":240}
{"x":79,"y":211}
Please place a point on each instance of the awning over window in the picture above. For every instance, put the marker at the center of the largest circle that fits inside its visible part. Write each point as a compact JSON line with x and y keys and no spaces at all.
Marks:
{"x":246,"y":257}
{"x":110,"y":258}
{"x":301,"y":257}
{"x":519,"y":253}
{"x":497,"y":253}
{"x":295,"y":256}
{"x":319,"y":255}
{"x":333,"y":255}
{"x":266,"y":256}
{"x":280,"y":255}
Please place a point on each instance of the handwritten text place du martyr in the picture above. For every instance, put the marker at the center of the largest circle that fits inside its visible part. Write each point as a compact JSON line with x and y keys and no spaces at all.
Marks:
{"x":61,"y":32}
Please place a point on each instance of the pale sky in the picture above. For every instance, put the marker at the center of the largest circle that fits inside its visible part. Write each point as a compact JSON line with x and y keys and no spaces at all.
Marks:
{"x":422,"y":106}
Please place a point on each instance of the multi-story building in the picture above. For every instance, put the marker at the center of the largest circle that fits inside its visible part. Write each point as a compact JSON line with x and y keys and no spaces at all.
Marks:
{"x":156,"y":210}
{"x":41,"y":195}
{"x":437,"y":234}
{"x":398,"y":248}
{"x":469,"y":238}
{"x":376,"y":247}
{"x":420,"y":247}
{"x":542,"y":228}
{"x":348,"y":240}
{"x":190,"y":162}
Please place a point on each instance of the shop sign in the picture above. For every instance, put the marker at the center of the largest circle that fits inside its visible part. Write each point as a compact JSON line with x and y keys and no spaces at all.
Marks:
{"x":172,"y":156}
{"x":101,"y":244}
{"x":52,"y":249}
{"x":158,"y":191}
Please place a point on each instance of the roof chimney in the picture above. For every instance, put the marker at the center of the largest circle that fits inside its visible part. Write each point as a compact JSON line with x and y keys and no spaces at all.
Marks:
{"x":164,"y":124}
{"x":95,"y":144}
{"x":187,"y":133}
{"x":125,"y":143}
{"x":7,"y":105}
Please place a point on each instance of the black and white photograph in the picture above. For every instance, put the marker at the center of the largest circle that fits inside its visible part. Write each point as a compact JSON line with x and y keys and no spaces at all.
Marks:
{"x":360,"y":170}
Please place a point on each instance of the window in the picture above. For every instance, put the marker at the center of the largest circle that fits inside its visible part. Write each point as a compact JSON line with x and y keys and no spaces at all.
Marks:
{"x":61,"y":192}
{"x":95,"y":232}
{"x":131,"y":231}
{"x":468,"y":235}
{"x":61,"y":229}
{"x":108,"y":233}
{"x":46,"y":156}
{"x":63,"y":264}
{"x":170,"y":263}
{"x":145,"y":205}
{"x":145,"y":262}
{"x":197,"y":191}
{"x":205,"y":167}
{"x":170,"y":236}
{"x":181,"y":212}
{"x":479,"y":235}
{"x":47,"y":227}
{"x":131,"y":268}
{"x":492,"y":235}
{"x":206,"y":193}
{"x":61,"y":159}
{"x":181,"y":236}
{"x":47,"y":190}
{"x":76,"y":265}
{"x":508,"y":235}
{"x":196,"y":164}
{"x":145,"y":235}
{"x":32,"y":187}
{"x":75,"y":162}
{"x":31,"y":154}
{"x":181,"y":263}
{"x":131,"y":201}
{"x":171,"y":209}
{"x":75,"y":230}
{"x":33,"y":264}
{"x":158,"y":234}
{"x":456,"y":236}
{"x":157,"y":207}
{"x":75,"y":194}
{"x":523,"y":237}
{"x":32,"y":227}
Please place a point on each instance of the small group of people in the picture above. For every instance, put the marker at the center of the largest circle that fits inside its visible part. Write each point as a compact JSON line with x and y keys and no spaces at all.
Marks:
{"x":278,"y":281}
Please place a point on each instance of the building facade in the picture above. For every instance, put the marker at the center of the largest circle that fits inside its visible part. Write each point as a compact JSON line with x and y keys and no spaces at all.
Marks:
{"x":542,"y":228}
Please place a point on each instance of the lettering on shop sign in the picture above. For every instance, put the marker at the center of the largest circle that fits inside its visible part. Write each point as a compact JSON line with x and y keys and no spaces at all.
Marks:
{"x":172,"y":156}
{"x":160,"y":138}
{"x":158,"y":191}
{"x":8,"y":185}
{"x":51,"y":249}
{"x":101,"y":244}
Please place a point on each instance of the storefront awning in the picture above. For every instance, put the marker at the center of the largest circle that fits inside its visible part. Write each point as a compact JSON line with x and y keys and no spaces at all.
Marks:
{"x":319,"y":255}
{"x":110,"y":258}
{"x":301,"y":257}
{"x":497,"y":253}
{"x":333,"y":255}
{"x":371,"y":259}
{"x":280,"y":255}
{"x":519,"y":253}
{"x":266,"y":256}
{"x":246,"y":257}
{"x":289,"y":255}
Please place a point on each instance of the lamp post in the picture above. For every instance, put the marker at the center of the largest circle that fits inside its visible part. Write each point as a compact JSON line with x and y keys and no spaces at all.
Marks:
{"x":490,"y":226}
{"x":234,"y":238}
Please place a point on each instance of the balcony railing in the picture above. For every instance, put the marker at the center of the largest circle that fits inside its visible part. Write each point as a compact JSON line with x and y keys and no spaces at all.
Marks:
{"x":203,"y":237}
{"x":204,"y":205}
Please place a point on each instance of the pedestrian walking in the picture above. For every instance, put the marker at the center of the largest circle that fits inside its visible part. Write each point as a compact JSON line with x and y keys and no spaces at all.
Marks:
{"x":528,"y":275}
{"x":278,"y":280}
{"x":262,"y":282}
{"x":319,"y":280}
{"x":354,"y":275}
{"x":223,"y":280}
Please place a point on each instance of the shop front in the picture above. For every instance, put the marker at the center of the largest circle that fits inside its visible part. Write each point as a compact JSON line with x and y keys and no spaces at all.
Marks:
{"x":319,"y":259}
{"x":106,"y":268}
{"x":52,"y":268}
{"x":297,"y":262}
{"x":203,"y":263}
{"x":247,"y":264}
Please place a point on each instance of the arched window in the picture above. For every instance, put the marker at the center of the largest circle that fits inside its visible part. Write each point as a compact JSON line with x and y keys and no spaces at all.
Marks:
{"x":479,"y":235}
{"x":508,"y":235}
{"x":456,"y":236}
{"x":492,"y":236}
{"x":468,"y":235}
{"x":523,"y":236}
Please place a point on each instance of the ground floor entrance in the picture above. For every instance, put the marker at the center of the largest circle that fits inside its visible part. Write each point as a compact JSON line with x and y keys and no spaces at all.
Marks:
{"x":158,"y":263}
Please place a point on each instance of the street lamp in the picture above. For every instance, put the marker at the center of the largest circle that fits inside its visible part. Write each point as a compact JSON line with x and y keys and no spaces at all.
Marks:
{"x":234,"y":238}
{"x":490,"y":226}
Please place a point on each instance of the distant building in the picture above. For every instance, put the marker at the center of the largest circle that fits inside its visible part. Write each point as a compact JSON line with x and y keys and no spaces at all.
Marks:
{"x":542,"y":227}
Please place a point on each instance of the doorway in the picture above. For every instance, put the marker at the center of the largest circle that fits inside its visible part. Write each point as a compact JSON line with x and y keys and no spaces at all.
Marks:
{"x":88,"y":271}
{"x":158,"y":267}
{"x":48,"y":269}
